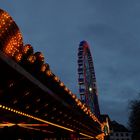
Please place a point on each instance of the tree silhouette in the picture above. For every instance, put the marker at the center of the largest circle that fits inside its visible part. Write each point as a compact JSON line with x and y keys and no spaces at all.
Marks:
{"x":134,"y":119}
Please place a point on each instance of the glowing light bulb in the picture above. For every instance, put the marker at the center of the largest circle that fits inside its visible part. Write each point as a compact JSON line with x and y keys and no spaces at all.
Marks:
{"x":90,"y":89}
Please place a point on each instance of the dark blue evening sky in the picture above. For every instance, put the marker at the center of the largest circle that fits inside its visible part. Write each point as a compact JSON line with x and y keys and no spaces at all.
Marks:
{"x":111,"y":27}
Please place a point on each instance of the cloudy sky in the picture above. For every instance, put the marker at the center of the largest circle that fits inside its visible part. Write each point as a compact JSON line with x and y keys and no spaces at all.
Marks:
{"x":111,"y":27}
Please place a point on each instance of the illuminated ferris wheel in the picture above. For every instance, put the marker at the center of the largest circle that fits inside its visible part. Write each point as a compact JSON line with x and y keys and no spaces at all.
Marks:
{"x":87,"y":79}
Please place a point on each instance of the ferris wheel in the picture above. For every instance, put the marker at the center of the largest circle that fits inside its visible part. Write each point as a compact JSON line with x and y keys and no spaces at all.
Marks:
{"x":87,"y":79}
